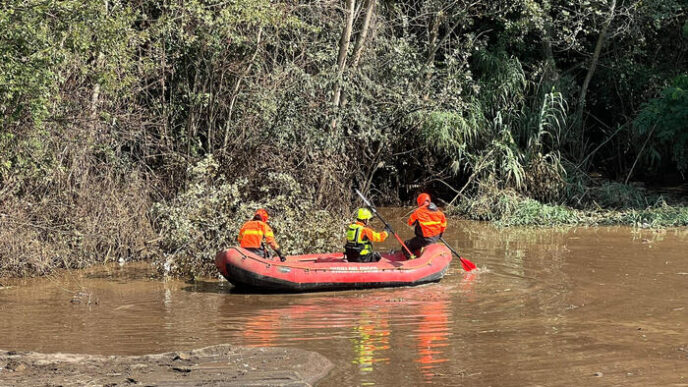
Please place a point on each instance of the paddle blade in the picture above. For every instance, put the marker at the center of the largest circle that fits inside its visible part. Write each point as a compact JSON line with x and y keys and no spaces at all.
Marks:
{"x":466,"y":264}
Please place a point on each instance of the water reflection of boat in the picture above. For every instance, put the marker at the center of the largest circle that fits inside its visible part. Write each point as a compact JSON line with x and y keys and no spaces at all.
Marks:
{"x":432,"y":335}
{"x":371,"y":338}
{"x":262,"y":330}
{"x":329,"y":271}
{"x":372,"y":330}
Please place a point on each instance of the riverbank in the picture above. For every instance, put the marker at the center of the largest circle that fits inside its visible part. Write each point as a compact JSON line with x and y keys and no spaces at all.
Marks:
{"x":606,"y":205}
{"x":530,"y":212}
{"x":219,"y":365}
{"x":189,"y":236}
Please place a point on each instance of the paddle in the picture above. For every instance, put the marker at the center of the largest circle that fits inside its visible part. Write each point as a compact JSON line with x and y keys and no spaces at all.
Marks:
{"x":372,"y":208}
{"x":466,"y":264}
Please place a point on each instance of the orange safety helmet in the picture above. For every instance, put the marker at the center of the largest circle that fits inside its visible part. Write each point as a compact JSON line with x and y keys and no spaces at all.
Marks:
{"x":263,"y":214}
{"x":422,"y":198}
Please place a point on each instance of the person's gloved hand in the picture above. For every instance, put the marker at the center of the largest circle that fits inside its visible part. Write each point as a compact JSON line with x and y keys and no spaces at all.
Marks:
{"x":389,"y":230}
{"x":280,"y":255}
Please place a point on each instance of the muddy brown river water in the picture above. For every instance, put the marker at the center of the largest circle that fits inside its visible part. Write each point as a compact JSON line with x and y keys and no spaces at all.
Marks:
{"x":582,"y":306}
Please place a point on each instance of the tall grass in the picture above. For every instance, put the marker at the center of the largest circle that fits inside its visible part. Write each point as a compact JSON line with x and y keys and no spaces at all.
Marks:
{"x":508,"y":208}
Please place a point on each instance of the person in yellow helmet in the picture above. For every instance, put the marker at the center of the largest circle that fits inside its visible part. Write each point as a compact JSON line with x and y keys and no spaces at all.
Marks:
{"x":359,"y":238}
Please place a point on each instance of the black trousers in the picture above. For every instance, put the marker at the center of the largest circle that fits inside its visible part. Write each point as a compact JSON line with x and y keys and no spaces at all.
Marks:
{"x":371,"y":257}
{"x":261,"y":252}
{"x":417,"y":242}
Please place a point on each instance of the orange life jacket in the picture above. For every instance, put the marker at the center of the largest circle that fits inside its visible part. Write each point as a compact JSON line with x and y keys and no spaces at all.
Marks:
{"x":252,"y":233}
{"x":428,"y":220}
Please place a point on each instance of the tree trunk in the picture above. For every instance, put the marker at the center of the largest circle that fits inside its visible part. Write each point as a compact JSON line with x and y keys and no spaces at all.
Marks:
{"x":360,"y":41}
{"x":593,"y":64}
{"x":358,"y":48}
{"x":95,"y":95}
{"x":549,"y":73}
{"x":433,"y":35}
{"x":341,"y":59}
{"x":336,"y":98}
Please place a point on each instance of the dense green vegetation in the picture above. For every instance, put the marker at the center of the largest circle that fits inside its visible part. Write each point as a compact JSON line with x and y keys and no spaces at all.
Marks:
{"x":144,"y":128}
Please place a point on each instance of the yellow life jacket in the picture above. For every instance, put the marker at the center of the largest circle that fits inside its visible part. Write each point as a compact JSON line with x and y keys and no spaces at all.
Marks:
{"x":356,"y":241}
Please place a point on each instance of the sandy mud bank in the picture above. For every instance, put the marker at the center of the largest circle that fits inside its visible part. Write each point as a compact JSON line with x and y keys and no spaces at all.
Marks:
{"x":220,"y":365}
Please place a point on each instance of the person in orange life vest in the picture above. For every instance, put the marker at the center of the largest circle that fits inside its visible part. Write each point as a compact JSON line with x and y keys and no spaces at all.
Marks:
{"x":359,"y":238}
{"x":429,"y":224}
{"x":252,"y":233}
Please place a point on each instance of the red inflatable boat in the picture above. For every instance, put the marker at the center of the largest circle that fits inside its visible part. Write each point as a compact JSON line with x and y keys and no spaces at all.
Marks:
{"x":329,"y":271}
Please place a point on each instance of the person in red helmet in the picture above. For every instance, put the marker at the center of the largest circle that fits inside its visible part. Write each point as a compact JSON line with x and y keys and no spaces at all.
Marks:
{"x":428,"y":222}
{"x":254,"y":231}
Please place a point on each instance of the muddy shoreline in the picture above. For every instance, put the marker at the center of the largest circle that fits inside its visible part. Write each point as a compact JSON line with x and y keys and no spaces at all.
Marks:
{"x":219,"y":365}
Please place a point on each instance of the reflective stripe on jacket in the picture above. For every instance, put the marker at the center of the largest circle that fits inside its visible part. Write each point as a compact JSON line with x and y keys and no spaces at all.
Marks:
{"x":428,"y":220}
{"x":252,"y":233}
{"x":359,"y":235}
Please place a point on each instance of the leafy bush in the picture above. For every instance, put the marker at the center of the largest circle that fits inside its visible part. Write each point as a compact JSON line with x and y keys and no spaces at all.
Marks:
{"x":207,"y":216}
{"x":663,"y":121}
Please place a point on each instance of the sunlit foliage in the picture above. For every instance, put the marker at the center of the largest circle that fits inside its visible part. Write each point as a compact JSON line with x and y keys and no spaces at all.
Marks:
{"x":109,"y":107}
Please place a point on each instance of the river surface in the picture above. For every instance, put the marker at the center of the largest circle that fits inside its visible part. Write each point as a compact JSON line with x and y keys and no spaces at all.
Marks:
{"x":566,"y":307}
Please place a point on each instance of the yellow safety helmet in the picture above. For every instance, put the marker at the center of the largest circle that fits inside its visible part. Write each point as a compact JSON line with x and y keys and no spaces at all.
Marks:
{"x":364,"y":214}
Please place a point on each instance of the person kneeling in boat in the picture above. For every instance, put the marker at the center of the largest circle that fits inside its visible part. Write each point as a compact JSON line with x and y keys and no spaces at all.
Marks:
{"x":429,"y":224}
{"x":252,"y":233}
{"x":359,"y":238}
